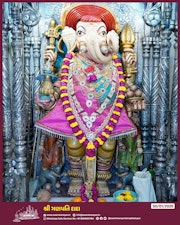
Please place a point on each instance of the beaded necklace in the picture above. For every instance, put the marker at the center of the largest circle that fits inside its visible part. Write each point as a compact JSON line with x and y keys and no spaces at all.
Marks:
{"x":91,"y":146}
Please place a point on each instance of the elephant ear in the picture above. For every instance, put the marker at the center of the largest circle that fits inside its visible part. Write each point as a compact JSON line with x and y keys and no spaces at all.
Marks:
{"x":113,"y":41}
{"x":69,"y":37}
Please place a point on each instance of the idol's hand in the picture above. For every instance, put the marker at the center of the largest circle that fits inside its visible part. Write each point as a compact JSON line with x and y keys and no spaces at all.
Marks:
{"x":134,"y":99}
{"x":49,"y":54}
{"x":129,"y":57}
{"x":44,"y":104}
{"x":135,"y":106}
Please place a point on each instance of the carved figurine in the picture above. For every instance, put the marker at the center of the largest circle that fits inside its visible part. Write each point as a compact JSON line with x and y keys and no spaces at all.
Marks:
{"x":51,"y":164}
{"x":89,"y":113}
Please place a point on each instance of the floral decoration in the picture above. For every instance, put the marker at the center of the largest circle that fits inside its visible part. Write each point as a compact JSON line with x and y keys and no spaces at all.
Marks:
{"x":91,"y":76}
{"x":78,"y":132}
{"x":94,"y":193}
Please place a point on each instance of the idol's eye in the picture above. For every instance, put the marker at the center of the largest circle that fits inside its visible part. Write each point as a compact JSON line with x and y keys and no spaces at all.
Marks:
{"x":80,"y":33}
{"x":103,"y":33}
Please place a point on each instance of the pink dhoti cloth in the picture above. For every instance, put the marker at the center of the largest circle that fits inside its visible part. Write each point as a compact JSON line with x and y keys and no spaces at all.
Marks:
{"x":55,"y":123}
{"x":92,"y":103}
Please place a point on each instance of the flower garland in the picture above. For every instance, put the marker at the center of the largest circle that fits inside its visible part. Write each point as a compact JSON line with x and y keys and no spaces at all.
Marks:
{"x":78,"y":132}
{"x":94,"y":193}
{"x":91,"y":76}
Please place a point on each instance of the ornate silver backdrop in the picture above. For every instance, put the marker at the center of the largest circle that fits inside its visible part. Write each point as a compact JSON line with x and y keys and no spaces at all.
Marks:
{"x":156,"y":28}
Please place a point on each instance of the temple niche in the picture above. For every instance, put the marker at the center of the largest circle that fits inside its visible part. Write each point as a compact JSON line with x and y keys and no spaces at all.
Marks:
{"x":105,"y":128}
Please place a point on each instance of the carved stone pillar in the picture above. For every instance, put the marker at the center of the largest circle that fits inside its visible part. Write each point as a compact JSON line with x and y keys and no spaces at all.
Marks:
{"x":170,"y":177}
{"x":6,"y":109}
{"x":30,"y":17}
{"x":27,"y":93}
{"x":154,"y":93}
{"x":163,"y":104}
{"x":145,"y":114}
{"x":27,"y":87}
{"x":18,"y":109}
{"x":152,"y":17}
{"x":6,"y":98}
{"x":174,"y":106}
{"x":36,"y":44}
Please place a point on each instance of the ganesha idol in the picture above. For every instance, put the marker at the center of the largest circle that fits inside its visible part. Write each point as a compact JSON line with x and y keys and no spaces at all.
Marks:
{"x":89,"y":112}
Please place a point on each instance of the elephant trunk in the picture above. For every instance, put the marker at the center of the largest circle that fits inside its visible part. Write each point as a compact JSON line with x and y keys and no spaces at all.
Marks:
{"x":96,"y":51}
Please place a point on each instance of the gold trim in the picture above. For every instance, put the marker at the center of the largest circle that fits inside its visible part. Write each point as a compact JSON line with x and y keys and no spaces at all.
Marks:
{"x":103,"y":175}
{"x":74,"y":173}
{"x":127,"y":37}
{"x":133,"y":99}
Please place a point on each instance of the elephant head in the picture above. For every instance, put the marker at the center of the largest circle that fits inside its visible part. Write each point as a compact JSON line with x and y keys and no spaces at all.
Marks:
{"x":93,"y":33}
{"x":93,"y":40}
